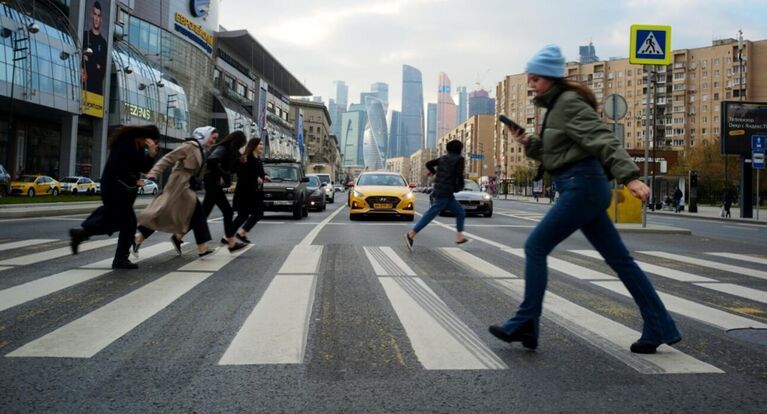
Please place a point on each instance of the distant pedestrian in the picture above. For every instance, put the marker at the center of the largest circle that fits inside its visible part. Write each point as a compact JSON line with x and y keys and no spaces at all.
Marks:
{"x":177,"y":210}
{"x":131,"y":152}
{"x":579,"y":148}
{"x":449,"y":180}
{"x":678,"y":200}
{"x":217,"y":178}
{"x":249,"y":194}
{"x":728,"y":199}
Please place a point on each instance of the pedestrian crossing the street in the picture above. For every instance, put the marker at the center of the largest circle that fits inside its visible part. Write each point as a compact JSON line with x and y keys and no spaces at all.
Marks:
{"x":440,"y":329}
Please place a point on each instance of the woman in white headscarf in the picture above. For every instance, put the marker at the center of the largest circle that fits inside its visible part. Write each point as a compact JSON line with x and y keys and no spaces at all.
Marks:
{"x":177,"y":210}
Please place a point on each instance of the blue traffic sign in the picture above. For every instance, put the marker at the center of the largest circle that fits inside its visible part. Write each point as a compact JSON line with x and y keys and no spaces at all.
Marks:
{"x":650,"y":45}
{"x":474,"y":156}
{"x":757,"y":160}
{"x":758,"y":143}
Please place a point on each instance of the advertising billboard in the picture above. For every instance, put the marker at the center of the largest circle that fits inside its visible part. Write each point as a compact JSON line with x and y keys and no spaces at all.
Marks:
{"x":740,"y":121}
{"x":95,"y":54}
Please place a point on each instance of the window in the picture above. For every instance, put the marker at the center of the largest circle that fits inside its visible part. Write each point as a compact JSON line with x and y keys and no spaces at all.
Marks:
{"x":716,"y":96}
{"x":229,"y":82}
{"x":705,"y":74}
{"x":216,"y":76}
{"x":716,"y":73}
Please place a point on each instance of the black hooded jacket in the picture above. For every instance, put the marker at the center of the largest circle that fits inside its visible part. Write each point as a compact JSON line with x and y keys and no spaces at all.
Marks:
{"x":449,"y":174}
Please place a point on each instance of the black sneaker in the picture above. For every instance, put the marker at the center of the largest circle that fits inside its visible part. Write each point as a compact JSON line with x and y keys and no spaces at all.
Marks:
{"x":176,"y":244}
{"x":224,"y":240}
{"x":408,"y":242}
{"x":205,"y":253}
{"x":644,"y":346}
{"x":123,"y":263}
{"x":237,"y":246}
{"x":77,"y":236}
{"x":243,"y":239}
{"x":464,"y":241}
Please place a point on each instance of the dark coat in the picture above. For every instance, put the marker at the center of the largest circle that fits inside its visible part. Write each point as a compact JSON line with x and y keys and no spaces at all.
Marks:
{"x":219,"y":166}
{"x":449,"y":174}
{"x":248,"y":195}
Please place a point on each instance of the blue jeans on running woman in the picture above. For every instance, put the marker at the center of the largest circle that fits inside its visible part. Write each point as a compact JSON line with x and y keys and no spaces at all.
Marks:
{"x":584,"y":195}
{"x":438,"y":204}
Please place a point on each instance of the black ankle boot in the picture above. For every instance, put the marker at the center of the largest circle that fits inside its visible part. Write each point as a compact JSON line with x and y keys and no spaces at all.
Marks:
{"x":123,"y":263}
{"x":76,"y":237}
{"x":644,"y":346}
{"x":525,"y":333}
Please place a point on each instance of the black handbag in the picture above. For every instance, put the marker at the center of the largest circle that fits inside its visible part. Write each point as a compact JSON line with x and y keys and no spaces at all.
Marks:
{"x":195,"y":182}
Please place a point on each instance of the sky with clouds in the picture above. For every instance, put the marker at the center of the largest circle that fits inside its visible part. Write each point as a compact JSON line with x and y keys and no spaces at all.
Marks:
{"x":474,"y":41}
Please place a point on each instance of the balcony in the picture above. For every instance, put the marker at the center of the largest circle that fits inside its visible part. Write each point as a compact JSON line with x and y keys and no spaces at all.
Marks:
{"x":678,"y":66}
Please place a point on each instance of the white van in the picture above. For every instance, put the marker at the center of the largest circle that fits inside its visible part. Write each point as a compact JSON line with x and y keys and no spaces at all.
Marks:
{"x":327,"y":187}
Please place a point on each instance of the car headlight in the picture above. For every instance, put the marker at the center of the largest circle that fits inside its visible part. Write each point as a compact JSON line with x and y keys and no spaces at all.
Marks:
{"x":487,"y":197}
{"x":357,"y":194}
{"x":408,"y":195}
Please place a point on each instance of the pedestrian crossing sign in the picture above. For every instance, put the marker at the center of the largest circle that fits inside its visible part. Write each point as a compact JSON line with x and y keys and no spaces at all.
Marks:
{"x":650,"y":45}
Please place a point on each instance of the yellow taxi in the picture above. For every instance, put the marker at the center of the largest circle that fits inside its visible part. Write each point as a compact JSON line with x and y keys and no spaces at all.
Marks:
{"x":381,"y":193}
{"x":32,"y":185}
{"x":75,"y":185}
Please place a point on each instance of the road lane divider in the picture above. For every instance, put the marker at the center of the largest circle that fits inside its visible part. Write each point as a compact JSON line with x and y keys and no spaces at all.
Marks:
{"x":473,"y":263}
{"x":706,"y":263}
{"x":741,"y":257}
{"x":38,"y":257}
{"x":24,"y":243}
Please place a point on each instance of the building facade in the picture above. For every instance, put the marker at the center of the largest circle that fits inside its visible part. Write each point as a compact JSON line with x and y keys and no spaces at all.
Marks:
{"x":481,"y":103}
{"x":411,"y":118}
{"x":400,"y":165}
{"x":431,"y":125}
{"x":446,"y":109}
{"x":463,"y":104}
{"x":320,"y":152}
{"x":352,"y":136}
{"x":418,"y":160}
{"x":381,"y":91}
{"x":685,"y":97}
{"x":395,"y":142}
{"x":376,"y":136}
{"x":477,"y":135}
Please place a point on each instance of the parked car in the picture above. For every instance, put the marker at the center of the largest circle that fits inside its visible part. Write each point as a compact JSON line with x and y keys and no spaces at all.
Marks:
{"x":286,"y":190}
{"x":381,"y":194}
{"x":5,"y":182}
{"x":32,"y":185}
{"x":98,"y":185}
{"x":78,"y":185}
{"x":327,"y":187}
{"x":316,"y":194}
{"x":473,"y":200}
{"x":339,"y":188}
{"x":150,"y":187}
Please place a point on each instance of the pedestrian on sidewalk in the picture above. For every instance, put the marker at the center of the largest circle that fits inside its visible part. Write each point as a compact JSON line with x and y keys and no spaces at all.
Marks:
{"x":131,"y":152}
{"x":177,"y":208}
{"x":217,"y":178}
{"x":249,"y":194}
{"x":448,"y":181}
{"x":579,"y":150}
{"x":678,"y":200}
{"x":728,"y":198}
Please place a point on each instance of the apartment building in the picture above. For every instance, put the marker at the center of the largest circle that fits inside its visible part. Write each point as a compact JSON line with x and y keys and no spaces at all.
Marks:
{"x":685,"y":101}
{"x":399,"y":165}
{"x":476,"y":134}
{"x":418,"y":166}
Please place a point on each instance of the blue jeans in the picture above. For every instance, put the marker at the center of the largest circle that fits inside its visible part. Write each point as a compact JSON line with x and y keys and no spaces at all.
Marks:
{"x":584,"y":195}
{"x":438,"y":204}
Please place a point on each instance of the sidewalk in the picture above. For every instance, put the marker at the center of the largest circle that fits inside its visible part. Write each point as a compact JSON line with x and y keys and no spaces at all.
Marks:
{"x":704,"y":212}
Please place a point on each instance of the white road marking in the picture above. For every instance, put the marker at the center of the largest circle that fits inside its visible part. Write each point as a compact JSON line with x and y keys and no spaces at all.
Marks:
{"x":85,"y":337}
{"x":386,"y":262}
{"x":144,"y":253}
{"x":574,"y":270}
{"x":707,"y":263}
{"x":276,"y":331}
{"x":24,"y":243}
{"x":740,"y":228}
{"x":610,"y":336}
{"x":214,"y":262}
{"x":471,"y":262}
{"x":315,"y":231}
{"x":737,"y":290}
{"x":26,"y":292}
{"x":440,"y":340}
{"x":694,"y":310}
{"x":35,"y":258}
{"x":534,"y":219}
{"x":303,"y":259}
{"x":674,"y":274}
{"x":742,"y":257}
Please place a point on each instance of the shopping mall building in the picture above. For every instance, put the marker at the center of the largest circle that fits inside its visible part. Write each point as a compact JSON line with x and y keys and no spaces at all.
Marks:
{"x":73,"y":70}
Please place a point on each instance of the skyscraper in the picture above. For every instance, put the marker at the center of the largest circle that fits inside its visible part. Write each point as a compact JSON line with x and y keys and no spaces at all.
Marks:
{"x":411,"y":133}
{"x":446,"y":108}
{"x":481,"y":103}
{"x":463,"y":104}
{"x":431,"y":125}
{"x":588,"y":54}
{"x":376,"y":135}
{"x":352,"y":135}
{"x":341,"y":102}
{"x":381,"y":91}
{"x":393,"y":150}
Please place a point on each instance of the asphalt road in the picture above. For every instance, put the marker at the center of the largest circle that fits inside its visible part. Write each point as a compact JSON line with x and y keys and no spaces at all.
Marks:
{"x":326,"y":315}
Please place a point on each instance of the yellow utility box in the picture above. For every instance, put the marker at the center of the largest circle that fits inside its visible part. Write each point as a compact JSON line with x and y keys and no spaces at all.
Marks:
{"x":629,"y":207}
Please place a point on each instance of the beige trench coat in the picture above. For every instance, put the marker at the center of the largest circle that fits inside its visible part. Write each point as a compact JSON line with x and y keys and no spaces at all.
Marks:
{"x":171,"y":211}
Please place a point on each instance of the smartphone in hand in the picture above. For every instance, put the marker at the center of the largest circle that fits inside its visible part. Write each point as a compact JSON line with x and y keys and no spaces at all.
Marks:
{"x":511,"y":124}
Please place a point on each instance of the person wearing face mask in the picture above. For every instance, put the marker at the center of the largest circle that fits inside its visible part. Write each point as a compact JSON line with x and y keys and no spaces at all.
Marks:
{"x":579,"y":150}
{"x":176,"y":209}
{"x":131,"y":152}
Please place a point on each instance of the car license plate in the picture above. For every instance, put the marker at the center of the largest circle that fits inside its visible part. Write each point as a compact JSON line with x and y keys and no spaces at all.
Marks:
{"x":469,"y":207}
{"x":382,"y":205}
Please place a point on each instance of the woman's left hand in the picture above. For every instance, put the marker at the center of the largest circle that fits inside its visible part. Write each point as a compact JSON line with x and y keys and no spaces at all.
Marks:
{"x":638,"y":189}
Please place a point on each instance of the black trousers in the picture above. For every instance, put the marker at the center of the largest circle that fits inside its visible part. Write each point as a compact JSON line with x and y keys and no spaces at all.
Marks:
{"x":111,"y":218}
{"x":248,"y":216}
{"x":214,"y":196}
{"x":198,"y":224}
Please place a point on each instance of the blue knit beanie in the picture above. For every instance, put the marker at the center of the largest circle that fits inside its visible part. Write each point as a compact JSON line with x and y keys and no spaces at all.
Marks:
{"x":548,"y":62}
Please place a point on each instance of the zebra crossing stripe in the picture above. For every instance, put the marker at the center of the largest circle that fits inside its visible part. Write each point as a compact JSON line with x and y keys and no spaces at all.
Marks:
{"x":741,"y":257}
{"x":36,"y":289}
{"x":439,"y":339}
{"x":610,"y":336}
{"x":656,"y":270}
{"x":693,"y":310}
{"x":576,"y":271}
{"x":85,"y":337}
{"x":303,"y":259}
{"x":276,"y":330}
{"x":35,"y":258}
{"x":215,"y":261}
{"x":737,"y":290}
{"x":24,"y":243}
{"x":469,"y":261}
{"x":145,"y":253}
{"x":707,"y":263}
{"x":385,"y":262}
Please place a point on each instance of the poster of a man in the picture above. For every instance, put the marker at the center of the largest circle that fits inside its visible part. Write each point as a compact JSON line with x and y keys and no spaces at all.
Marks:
{"x":95,"y":49}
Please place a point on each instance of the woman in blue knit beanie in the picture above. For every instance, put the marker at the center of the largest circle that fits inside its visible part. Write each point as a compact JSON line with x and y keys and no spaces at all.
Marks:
{"x":578,"y":149}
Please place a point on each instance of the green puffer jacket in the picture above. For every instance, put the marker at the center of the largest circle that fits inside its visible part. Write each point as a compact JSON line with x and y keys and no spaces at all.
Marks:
{"x":573,"y":133}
